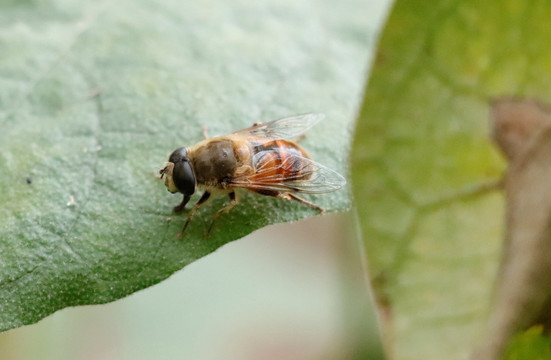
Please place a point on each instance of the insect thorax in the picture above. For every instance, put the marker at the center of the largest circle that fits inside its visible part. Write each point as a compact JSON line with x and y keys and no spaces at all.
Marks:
{"x":214,"y":162}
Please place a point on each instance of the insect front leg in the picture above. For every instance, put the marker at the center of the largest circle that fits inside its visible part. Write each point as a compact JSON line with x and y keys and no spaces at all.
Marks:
{"x":202,"y":200}
{"x":182,"y":205}
{"x":225,"y":209}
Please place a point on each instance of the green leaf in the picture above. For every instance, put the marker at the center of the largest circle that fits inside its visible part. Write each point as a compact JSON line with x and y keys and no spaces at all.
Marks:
{"x":95,"y":95}
{"x":426,"y":172}
{"x":531,"y":344}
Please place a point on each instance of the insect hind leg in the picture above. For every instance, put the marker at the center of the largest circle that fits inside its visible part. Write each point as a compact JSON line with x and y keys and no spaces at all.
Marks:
{"x":291,"y":196}
{"x":299,"y":138}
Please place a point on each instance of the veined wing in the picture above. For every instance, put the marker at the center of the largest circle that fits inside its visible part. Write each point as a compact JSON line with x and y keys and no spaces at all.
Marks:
{"x":294,"y":174}
{"x":286,"y":128}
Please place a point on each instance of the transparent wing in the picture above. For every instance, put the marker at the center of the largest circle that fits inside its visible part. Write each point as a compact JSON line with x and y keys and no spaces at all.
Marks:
{"x":299,"y":174}
{"x":286,"y":128}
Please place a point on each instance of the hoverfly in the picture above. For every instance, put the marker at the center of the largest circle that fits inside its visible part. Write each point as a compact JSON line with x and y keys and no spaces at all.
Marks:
{"x":263,"y":159}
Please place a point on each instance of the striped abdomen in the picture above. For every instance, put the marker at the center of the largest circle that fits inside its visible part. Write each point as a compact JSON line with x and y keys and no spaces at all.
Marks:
{"x":279,"y":161}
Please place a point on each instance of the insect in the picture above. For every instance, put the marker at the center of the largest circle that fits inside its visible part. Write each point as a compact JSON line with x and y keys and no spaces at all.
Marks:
{"x":263,"y":159}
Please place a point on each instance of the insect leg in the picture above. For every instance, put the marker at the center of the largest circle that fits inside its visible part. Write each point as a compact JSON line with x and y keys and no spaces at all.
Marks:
{"x":205,"y":131}
{"x":193,"y":210}
{"x":182,"y":205}
{"x":291,"y":196}
{"x":298,"y":138}
{"x":225,"y":209}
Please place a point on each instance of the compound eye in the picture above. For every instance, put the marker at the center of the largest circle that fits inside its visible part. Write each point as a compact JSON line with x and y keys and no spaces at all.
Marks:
{"x":183,"y":177}
{"x":178,"y":155}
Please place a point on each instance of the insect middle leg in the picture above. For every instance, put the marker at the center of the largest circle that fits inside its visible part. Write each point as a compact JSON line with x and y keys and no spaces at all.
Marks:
{"x":225,"y":209}
{"x":202,"y":200}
